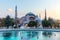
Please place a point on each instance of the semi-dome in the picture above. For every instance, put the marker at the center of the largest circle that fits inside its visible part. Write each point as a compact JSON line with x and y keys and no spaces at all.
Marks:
{"x":30,"y":14}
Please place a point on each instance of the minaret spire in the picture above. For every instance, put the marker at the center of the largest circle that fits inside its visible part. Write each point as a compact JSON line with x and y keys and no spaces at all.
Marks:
{"x":39,"y":15}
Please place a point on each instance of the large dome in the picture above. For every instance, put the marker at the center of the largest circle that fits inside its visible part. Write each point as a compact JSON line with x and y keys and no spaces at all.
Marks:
{"x":30,"y":14}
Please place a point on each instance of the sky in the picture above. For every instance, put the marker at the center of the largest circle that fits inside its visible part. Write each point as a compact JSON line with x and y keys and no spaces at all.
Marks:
{"x":7,"y":7}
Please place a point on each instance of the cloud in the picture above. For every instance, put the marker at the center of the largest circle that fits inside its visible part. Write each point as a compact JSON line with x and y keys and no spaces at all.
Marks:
{"x":9,"y":10}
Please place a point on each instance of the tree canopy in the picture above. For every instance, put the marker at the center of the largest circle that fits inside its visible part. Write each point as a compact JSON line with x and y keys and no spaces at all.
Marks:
{"x":8,"y":21}
{"x":46,"y":23}
{"x":32,"y":24}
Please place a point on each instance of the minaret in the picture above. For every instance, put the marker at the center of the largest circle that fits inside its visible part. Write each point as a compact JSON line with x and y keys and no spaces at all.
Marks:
{"x":39,"y":16}
{"x":16,"y":16}
{"x":45,"y":15}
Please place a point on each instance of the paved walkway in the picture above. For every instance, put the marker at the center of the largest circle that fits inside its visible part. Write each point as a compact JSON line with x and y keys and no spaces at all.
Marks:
{"x":49,"y":30}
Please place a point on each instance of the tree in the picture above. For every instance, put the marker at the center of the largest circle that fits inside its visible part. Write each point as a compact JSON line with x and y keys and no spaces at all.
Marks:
{"x":46,"y":23}
{"x":51,"y":21}
{"x":32,"y":24}
{"x":12,"y":22}
{"x":8,"y":21}
{"x":2,"y":22}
